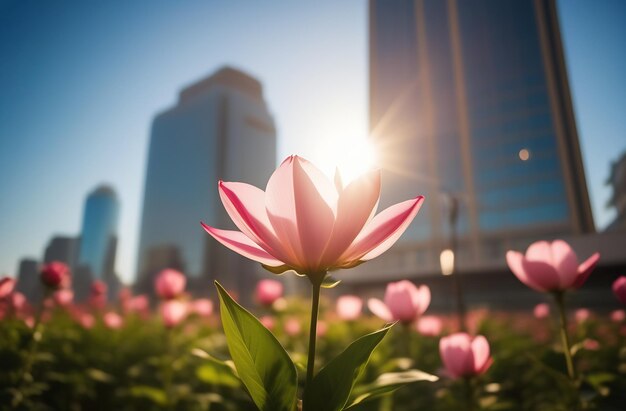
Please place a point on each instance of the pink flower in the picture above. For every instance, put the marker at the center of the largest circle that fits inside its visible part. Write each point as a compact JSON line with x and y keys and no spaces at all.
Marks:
{"x":56,"y":275}
{"x":303,"y":222}
{"x":203,"y":307}
{"x":86,"y":320}
{"x":322,"y":328}
{"x":63,"y":298}
{"x":619,"y":288}
{"x":581,"y":315}
{"x":18,"y":302}
{"x":403,"y":302}
{"x":173,"y":312}
{"x":349,"y":307}
{"x":268,"y":322}
{"x":591,"y":344}
{"x":464,"y":356}
{"x":292,"y":327}
{"x":7,"y":284}
{"x":541,"y":311}
{"x":618,"y":316}
{"x":549,"y":267}
{"x":139,"y":304}
{"x":169,"y":284}
{"x":429,"y":325}
{"x":268,"y":291}
{"x":112,"y":320}
{"x":99,"y":288}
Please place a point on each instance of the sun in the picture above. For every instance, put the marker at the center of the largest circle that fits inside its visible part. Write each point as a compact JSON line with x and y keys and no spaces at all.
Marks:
{"x":351,"y":157}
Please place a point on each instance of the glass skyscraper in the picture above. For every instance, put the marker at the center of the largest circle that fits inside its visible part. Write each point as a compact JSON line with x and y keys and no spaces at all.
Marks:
{"x":98,"y":241}
{"x":471,"y":99}
{"x":219,"y":129}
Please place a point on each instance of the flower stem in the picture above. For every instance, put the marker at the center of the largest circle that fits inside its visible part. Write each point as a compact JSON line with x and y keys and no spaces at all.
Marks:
{"x":564,"y":337}
{"x":469,"y":393}
{"x":316,"y":283}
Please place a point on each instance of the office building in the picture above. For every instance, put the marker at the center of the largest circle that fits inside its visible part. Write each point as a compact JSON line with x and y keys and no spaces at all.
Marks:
{"x":220,"y":128}
{"x":470,"y":100}
{"x":617,"y":182}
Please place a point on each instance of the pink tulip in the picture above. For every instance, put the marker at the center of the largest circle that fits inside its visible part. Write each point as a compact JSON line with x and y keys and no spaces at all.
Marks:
{"x":619,"y":289}
{"x":292,"y":327}
{"x":7,"y":284}
{"x":429,"y":325}
{"x":304,"y":222}
{"x":268,"y":291}
{"x":170,"y":284}
{"x":86,"y":320}
{"x":203,"y":307}
{"x":541,"y":311}
{"x":465,"y":356}
{"x":113,"y":320}
{"x":56,"y":275}
{"x":550,"y":267}
{"x":581,"y":315}
{"x":349,"y":307}
{"x":268,"y":322}
{"x":98,"y":288}
{"x":18,"y":302}
{"x":618,"y":316}
{"x":173,"y":312}
{"x":63,"y":298}
{"x":139,"y":304}
{"x":403,"y":302}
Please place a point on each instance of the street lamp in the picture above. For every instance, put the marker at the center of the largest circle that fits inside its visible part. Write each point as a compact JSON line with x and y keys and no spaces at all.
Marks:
{"x":446,"y":260}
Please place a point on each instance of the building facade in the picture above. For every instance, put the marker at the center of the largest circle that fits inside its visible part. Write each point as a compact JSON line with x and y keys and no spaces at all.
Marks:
{"x":470,"y":101}
{"x":617,"y":182}
{"x":98,"y":242}
{"x":220,"y":128}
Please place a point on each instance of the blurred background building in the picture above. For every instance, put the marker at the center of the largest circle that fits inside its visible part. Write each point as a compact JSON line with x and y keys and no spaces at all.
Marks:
{"x":470,"y":106}
{"x":220,"y":129}
{"x":98,"y":243}
{"x":617,"y":181}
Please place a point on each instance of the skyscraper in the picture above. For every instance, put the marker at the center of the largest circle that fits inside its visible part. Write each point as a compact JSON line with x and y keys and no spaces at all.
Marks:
{"x":63,"y":249}
{"x":471,"y":99}
{"x":219,"y":129}
{"x":98,"y":241}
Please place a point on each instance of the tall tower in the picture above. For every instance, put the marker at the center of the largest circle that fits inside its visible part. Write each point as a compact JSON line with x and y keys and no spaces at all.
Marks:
{"x":219,"y":129}
{"x":98,"y":241}
{"x":471,"y":99}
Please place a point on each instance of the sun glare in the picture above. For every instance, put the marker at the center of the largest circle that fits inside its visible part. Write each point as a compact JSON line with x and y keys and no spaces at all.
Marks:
{"x":352,"y":158}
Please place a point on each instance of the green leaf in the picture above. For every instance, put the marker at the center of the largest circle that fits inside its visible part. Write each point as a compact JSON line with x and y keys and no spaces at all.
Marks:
{"x":331,"y":387}
{"x":262,"y":363}
{"x":156,"y":395}
{"x":386,"y":384}
{"x":217,"y":373}
{"x":330,"y":282}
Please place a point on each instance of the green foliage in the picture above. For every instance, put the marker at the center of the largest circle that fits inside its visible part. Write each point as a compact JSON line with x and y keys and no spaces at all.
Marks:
{"x":262,"y":363}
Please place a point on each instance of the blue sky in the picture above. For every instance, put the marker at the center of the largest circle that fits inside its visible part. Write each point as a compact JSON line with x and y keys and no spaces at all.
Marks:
{"x":81,"y":81}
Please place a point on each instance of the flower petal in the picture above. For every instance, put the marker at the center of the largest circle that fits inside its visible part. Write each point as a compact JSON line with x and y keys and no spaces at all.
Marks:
{"x":421,"y":299}
{"x":356,"y":204}
{"x":514,"y":259}
{"x":585,"y":269}
{"x":540,"y":251}
{"x":565,"y":262}
{"x":315,"y":202}
{"x":541,"y":276}
{"x":383,"y":231}
{"x":480,"y":349}
{"x":245,"y":204}
{"x":240,"y":243}
{"x":379,"y":309}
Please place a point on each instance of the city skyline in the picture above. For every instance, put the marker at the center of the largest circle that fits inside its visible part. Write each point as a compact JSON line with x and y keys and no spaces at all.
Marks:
{"x":327,"y":87}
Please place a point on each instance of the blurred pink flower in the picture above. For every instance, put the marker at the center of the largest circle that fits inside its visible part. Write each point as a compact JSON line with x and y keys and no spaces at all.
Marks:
{"x":304,"y":222}
{"x":56,"y":275}
{"x":173,"y":312}
{"x":403,"y":302}
{"x":349,"y":307}
{"x":581,"y":315}
{"x":429,"y":325}
{"x":619,"y":289}
{"x":203,"y":307}
{"x":542,"y":310}
{"x":63,"y":298}
{"x":549,"y":267}
{"x":268,"y":321}
{"x":139,"y":304}
{"x":322,"y":328}
{"x":591,"y":344}
{"x":98,"y":287}
{"x":618,"y":316}
{"x":465,"y":356}
{"x":268,"y":291}
{"x":292,"y":327}
{"x":7,"y":284}
{"x":112,"y":320}
{"x":18,"y":302}
{"x":169,"y":284}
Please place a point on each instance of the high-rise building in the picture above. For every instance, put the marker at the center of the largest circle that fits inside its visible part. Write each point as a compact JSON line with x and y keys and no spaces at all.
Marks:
{"x":63,"y":249}
{"x":28,"y":282}
{"x":98,"y":242}
{"x":220,"y":128}
{"x":617,"y":181}
{"x":470,"y":99}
